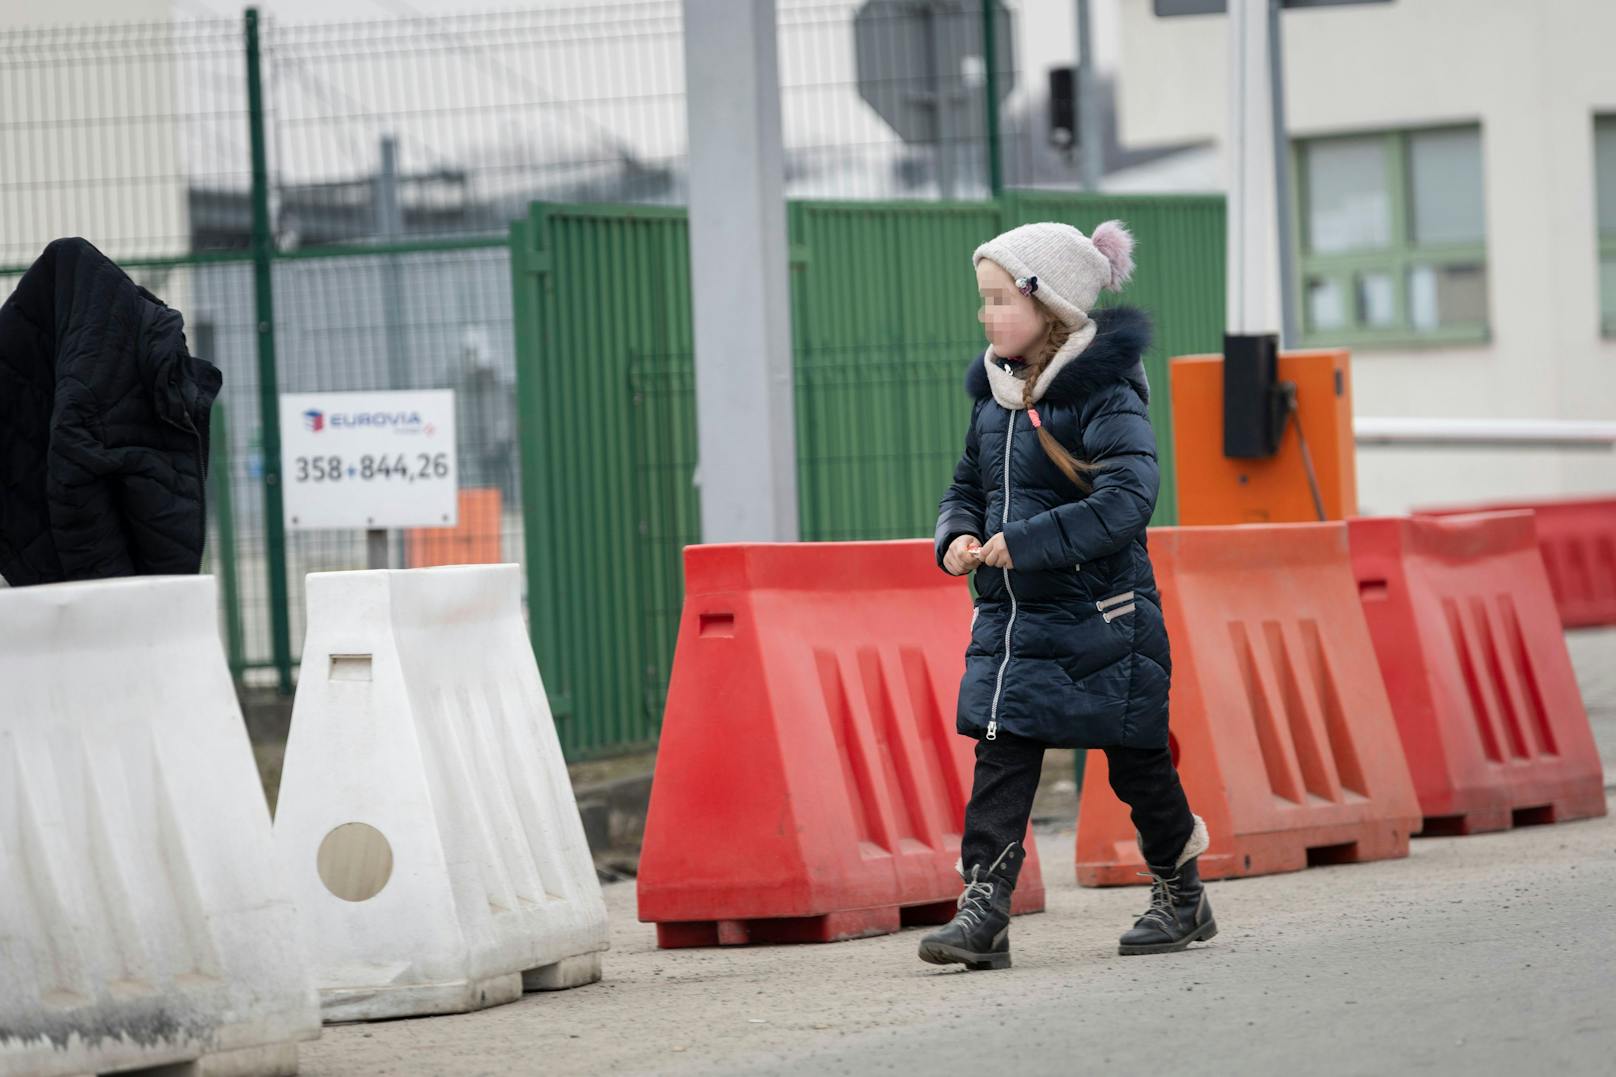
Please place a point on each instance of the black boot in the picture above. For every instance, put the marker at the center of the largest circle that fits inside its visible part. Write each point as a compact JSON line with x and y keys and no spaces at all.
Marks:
{"x":979,"y":935}
{"x":1179,"y":912}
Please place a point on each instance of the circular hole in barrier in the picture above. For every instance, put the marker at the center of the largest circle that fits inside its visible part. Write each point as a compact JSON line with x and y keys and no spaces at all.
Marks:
{"x":1172,"y":746}
{"x":355,"y":861}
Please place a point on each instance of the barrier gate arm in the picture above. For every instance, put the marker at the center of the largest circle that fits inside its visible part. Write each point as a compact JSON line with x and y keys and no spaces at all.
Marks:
{"x":1487,"y":433}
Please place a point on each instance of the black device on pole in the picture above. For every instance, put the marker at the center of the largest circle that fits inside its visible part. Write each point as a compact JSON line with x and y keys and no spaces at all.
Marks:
{"x":1063,"y":132}
{"x":1253,"y":418}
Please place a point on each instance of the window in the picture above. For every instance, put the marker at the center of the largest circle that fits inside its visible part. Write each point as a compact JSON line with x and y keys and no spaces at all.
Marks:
{"x":1393,"y":237}
{"x":1605,"y":181}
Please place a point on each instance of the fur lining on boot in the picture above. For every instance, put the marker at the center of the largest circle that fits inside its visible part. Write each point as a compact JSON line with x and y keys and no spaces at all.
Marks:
{"x":1198,"y":843}
{"x":1199,"y":840}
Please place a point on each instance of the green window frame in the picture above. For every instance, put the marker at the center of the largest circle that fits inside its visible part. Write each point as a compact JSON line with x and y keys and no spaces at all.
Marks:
{"x":1397,"y":260}
{"x":1605,"y":128}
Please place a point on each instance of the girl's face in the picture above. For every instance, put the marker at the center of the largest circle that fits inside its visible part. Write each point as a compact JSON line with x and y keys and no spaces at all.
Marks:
{"x":1010,"y":320}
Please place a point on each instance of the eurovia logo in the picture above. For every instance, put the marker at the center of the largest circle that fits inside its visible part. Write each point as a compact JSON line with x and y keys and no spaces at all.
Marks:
{"x":398,"y":422}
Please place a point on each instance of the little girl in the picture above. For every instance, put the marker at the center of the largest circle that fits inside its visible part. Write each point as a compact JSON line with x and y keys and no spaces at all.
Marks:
{"x":1068,"y":648}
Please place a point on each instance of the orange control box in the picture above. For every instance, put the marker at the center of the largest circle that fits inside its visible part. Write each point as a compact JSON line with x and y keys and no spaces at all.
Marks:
{"x":1213,"y":489}
{"x":475,"y":540}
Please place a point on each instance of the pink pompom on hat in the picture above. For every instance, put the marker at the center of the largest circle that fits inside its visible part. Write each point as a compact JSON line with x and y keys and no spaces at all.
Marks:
{"x":1061,"y":266}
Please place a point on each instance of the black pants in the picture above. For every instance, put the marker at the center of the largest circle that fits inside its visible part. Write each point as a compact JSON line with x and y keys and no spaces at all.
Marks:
{"x":1007,"y":772}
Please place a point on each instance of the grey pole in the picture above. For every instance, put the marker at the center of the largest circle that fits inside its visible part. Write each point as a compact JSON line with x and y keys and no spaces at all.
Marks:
{"x":745,"y":419}
{"x":944,"y":103}
{"x":1090,"y":146}
{"x":1290,"y":328}
{"x":376,"y":552}
{"x":389,"y":227}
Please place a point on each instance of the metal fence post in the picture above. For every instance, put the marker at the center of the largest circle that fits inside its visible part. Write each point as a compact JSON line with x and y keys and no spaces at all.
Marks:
{"x":224,"y":514}
{"x":990,"y":65}
{"x":268,"y":390}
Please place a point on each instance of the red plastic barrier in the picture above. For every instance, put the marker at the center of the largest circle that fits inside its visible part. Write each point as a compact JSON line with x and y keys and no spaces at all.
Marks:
{"x":809,"y":783}
{"x":1284,"y":736}
{"x":1475,"y":660}
{"x":1578,"y":540}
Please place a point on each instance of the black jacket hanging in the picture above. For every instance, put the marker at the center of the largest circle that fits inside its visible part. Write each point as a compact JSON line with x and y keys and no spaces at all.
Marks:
{"x":103,"y":426}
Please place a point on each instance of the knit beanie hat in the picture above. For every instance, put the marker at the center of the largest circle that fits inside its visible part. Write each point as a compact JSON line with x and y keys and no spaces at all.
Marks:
{"x":1061,"y":266}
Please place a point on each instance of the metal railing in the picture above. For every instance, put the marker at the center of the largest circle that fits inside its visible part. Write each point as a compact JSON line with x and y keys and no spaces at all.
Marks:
{"x":1487,"y":433}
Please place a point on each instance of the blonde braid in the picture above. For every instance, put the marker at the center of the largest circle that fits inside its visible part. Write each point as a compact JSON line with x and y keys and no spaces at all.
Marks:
{"x":1056,"y":334}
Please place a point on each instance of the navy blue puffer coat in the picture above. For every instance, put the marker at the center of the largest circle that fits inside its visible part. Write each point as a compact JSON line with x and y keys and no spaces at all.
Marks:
{"x":1068,"y":648}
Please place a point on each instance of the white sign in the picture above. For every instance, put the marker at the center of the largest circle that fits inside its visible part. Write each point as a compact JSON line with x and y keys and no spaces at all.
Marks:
{"x":369,"y":460}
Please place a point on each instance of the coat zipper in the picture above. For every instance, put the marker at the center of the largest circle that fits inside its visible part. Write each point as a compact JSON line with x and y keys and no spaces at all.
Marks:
{"x":998,"y":688}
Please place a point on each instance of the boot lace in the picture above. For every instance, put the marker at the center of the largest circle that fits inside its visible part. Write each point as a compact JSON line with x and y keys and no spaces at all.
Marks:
{"x":1163,"y":897}
{"x":977,"y":897}
{"x":974,"y":901}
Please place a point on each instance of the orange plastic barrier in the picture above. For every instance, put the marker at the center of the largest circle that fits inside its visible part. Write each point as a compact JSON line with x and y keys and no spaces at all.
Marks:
{"x":1578,"y":540}
{"x":1474,"y":658}
{"x":1214,"y":490}
{"x":809,"y":783}
{"x":1283,"y":732}
{"x":475,"y":540}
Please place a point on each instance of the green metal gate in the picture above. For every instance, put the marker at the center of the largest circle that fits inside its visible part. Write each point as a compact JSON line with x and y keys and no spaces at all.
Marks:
{"x":606,"y":424}
{"x":883,"y":323}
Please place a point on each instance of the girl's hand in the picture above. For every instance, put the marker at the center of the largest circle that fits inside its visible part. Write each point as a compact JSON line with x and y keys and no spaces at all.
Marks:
{"x":962,"y":555}
{"x":996,"y":553}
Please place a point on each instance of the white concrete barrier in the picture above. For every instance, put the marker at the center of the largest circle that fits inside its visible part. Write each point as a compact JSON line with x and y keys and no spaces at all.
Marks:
{"x":142,"y":918}
{"x":426,"y":820}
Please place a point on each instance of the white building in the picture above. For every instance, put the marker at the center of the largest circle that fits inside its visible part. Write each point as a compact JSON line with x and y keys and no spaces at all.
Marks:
{"x":1456,"y":190}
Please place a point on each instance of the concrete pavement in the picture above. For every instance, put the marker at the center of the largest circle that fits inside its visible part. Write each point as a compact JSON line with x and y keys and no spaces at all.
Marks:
{"x":1479,"y":955}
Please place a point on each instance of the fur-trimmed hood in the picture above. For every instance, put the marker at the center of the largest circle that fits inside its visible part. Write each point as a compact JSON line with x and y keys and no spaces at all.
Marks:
{"x":1115,"y":353}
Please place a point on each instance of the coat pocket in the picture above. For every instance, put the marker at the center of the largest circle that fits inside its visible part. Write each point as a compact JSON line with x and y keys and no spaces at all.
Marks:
{"x":1099,"y":638}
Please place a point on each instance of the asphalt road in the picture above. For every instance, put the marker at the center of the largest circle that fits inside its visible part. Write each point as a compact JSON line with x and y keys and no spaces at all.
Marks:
{"x":1492,"y":954}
